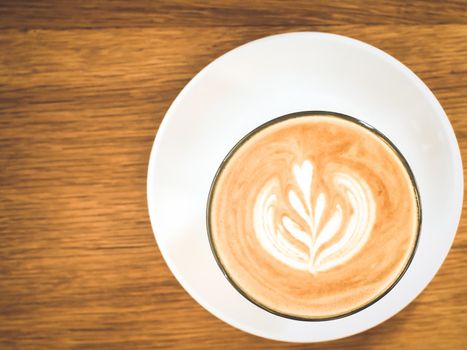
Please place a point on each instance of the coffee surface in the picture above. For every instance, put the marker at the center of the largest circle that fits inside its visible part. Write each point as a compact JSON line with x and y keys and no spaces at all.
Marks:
{"x":313,"y":216}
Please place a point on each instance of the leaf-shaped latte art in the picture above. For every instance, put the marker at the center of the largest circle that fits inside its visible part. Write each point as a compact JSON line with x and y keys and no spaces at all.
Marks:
{"x":314,"y":238}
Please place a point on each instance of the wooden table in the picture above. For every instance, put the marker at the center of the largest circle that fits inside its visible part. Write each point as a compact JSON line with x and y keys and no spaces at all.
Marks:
{"x":83,"y":88}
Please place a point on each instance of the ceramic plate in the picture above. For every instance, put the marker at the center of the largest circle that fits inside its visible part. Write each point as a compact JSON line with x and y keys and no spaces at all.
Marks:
{"x":265,"y":79}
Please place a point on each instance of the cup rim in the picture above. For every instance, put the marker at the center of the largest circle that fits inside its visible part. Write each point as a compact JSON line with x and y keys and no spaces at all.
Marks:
{"x":312,"y":113}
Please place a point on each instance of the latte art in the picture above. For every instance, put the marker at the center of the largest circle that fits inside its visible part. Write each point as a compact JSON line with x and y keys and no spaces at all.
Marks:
{"x":300,"y":244}
{"x":313,"y":216}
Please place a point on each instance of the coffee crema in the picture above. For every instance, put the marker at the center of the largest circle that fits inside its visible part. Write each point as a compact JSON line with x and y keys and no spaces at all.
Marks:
{"x":313,"y":215}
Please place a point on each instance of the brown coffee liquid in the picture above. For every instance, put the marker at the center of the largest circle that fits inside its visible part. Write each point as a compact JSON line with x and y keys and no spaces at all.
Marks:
{"x":313,"y":216}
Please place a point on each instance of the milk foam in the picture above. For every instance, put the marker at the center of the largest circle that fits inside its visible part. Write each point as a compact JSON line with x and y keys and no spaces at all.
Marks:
{"x":314,"y":216}
{"x":311,"y":244}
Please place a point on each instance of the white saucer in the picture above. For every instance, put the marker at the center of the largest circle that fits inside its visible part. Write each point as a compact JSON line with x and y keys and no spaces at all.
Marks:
{"x":268,"y":78}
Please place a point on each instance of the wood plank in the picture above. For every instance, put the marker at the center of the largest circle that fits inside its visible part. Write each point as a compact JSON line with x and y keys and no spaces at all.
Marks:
{"x":30,"y":14}
{"x":79,"y":109}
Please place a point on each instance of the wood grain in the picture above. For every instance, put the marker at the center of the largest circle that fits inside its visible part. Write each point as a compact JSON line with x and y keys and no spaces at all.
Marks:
{"x":176,"y":13}
{"x":83,"y":89}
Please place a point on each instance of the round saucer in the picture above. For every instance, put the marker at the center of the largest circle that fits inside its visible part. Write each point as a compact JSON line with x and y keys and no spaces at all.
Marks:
{"x":274,"y":76}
